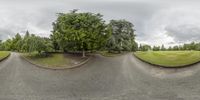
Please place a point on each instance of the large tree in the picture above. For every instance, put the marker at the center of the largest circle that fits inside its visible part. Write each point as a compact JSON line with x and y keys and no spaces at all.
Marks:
{"x":197,"y":47}
{"x":1,"y":45}
{"x":25,"y":46}
{"x":156,"y":48}
{"x":7,"y":45}
{"x":144,"y":47}
{"x":122,"y":36}
{"x":17,"y":42}
{"x":79,"y":31}
{"x":39,"y":44}
{"x":163,"y":48}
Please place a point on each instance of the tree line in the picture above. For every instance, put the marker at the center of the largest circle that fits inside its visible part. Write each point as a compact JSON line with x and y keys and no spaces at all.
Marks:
{"x":75,"y":32}
{"x":187,"y":46}
{"x":27,"y":43}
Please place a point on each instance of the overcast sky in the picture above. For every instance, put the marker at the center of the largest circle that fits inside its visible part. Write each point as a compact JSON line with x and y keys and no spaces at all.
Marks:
{"x":156,"y":22}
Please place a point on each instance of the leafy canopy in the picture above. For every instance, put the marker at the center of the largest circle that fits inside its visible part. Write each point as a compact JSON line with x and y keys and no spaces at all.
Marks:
{"x":79,"y":31}
{"x":122,"y":36}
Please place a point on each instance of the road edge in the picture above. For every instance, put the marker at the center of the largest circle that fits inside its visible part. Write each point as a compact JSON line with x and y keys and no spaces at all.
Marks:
{"x":4,"y":58}
{"x":183,"y":66}
{"x":117,"y":55}
{"x":57,"y":68}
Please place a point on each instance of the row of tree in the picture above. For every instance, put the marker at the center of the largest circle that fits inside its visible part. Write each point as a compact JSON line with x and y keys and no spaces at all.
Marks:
{"x":189,"y":46}
{"x":27,"y":43}
{"x":88,"y":32}
{"x":85,"y":32}
{"x":74,"y":32}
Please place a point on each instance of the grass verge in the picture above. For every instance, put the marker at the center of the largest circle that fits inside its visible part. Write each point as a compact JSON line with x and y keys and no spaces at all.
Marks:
{"x":4,"y":54}
{"x":169,"y":58}
{"x":55,"y":60}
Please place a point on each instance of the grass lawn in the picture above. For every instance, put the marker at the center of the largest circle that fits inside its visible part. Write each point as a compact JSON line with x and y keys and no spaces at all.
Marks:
{"x":4,"y":54}
{"x":170,"y":58}
{"x":55,"y":60}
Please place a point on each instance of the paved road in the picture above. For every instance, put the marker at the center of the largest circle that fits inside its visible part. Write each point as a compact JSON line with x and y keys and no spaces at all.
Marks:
{"x":118,"y":78}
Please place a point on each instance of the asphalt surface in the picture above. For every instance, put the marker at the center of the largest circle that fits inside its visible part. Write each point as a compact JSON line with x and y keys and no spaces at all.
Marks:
{"x":102,"y":78}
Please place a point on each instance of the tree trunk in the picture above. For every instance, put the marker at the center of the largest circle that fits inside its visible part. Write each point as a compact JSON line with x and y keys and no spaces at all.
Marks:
{"x":83,"y":53}
{"x":39,"y":52}
{"x":119,"y":51}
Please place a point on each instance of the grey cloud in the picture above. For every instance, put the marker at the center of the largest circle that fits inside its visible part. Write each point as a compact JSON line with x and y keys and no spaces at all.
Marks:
{"x":5,"y":33}
{"x":184,"y":33}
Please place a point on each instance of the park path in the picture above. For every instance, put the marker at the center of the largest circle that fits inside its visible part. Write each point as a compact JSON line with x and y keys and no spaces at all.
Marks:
{"x":102,"y":78}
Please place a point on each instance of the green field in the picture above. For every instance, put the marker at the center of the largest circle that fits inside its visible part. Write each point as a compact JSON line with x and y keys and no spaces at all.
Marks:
{"x":55,"y":60}
{"x":170,"y":58}
{"x":4,"y":54}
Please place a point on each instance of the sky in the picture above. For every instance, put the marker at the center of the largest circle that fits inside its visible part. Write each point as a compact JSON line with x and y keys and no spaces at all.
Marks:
{"x":157,"y":22}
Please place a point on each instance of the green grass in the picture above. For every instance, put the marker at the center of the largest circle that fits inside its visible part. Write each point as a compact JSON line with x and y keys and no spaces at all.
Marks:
{"x":170,"y":58}
{"x":54,"y":60}
{"x":4,"y":54}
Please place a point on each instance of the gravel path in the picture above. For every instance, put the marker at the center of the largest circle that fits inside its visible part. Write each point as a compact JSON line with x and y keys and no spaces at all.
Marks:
{"x":102,"y":78}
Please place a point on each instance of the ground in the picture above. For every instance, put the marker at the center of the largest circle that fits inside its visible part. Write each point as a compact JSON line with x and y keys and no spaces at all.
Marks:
{"x":4,"y":54}
{"x":102,"y":78}
{"x":56,"y":59}
{"x":170,"y":58}
{"x":108,"y":54}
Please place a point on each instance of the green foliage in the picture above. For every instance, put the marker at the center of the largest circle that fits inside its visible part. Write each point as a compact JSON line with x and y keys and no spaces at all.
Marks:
{"x":170,"y":58}
{"x":7,"y":45}
{"x":163,"y":48}
{"x":79,"y":31}
{"x":28,"y":43}
{"x":76,"y":31}
{"x":190,"y":46}
{"x":156,"y":48}
{"x":122,"y":36}
{"x":176,"y":48}
{"x":144,"y":47}
{"x":1,"y":45}
{"x":36,"y":43}
{"x":17,"y":42}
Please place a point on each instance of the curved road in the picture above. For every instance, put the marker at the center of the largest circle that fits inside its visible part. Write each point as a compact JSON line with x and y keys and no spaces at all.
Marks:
{"x":102,"y":78}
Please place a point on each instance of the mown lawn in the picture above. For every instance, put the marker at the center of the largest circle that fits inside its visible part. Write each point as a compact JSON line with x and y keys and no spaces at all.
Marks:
{"x":4,"y":54}
{"x":170,"y":58}
{"x":55,"y":60}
